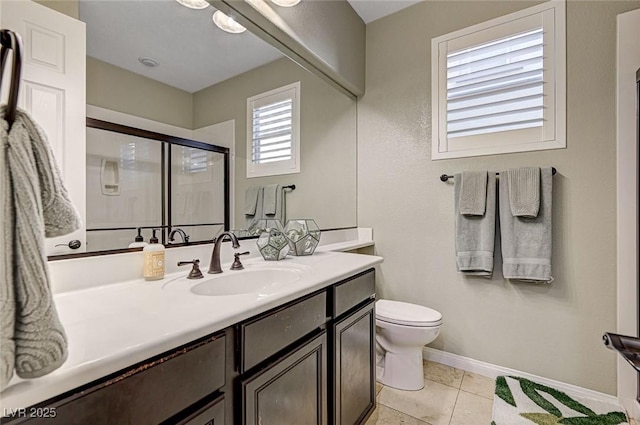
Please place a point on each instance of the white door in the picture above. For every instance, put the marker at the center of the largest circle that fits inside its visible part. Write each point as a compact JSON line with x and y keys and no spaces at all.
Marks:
{"x":53,"y":91}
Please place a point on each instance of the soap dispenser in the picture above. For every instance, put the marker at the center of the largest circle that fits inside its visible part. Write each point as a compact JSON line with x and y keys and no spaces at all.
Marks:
{"x":138,"y":242}
{"x":153,"y":259}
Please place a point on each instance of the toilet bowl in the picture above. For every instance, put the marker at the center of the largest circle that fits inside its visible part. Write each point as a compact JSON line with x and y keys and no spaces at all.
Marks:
{"x":402,"y":329}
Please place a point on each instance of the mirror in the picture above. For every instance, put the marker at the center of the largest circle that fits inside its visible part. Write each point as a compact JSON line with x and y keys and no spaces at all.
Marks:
{"x":138,"y":181}
{"x":199,"y":91}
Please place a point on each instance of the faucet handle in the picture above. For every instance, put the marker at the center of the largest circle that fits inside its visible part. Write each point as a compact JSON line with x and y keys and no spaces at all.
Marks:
{"x":237,"y":265}
{"x":195,"y":272}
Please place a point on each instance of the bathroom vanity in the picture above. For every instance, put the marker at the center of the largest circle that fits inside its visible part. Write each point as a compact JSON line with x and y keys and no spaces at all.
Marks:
{"x":307,"y":357}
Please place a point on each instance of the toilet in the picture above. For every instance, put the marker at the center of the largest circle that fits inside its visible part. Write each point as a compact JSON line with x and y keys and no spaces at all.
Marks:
{"x":402,"y":329}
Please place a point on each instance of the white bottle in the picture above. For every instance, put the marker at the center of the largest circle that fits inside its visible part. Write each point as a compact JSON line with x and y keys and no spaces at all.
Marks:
{"x":138,"y":242}
{"x":153,"y":259}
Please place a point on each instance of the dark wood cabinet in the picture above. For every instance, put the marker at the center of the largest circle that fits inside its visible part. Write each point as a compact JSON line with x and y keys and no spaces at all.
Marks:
{"x":352,"y":347}
{"x":308,"y":362}
{"x":353,"y":375}
{"x":150,"y":392}
{"x":292,"y":390}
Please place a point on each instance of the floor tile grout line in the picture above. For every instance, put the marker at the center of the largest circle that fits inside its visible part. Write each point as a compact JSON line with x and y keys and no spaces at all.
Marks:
{"x":454,"y":407}
{"x":405,"y":413}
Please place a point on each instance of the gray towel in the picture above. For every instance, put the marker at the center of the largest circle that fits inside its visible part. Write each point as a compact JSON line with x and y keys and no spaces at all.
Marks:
{"x":251,"y":200}
{"x":36,"y":204}
{"x":473,"y":192}
{"x":526,"y":242}
{"x":250,"y":219}
{"x":524,"y":191}
{"x":475,"y":234}
{"x":274,"y":207}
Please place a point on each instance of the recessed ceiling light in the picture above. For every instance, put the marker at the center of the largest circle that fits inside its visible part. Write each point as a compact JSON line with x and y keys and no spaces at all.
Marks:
{"x":227,"y":23}
{"x":286,"y":3}
{"x":194,"y":4}
{"x":148,"y":62}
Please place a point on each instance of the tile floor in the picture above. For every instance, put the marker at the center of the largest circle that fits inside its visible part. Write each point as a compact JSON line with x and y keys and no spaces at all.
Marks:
{"x":450,"y":397}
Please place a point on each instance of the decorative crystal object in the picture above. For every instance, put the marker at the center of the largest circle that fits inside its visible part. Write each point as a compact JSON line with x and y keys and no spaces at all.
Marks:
{"x":303,"y":235}
{"x":272,"y":242}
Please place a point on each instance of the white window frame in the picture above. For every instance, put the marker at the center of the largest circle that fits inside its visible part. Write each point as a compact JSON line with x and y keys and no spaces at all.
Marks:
{"x":552,"y":135}
{"x":292,"y":165}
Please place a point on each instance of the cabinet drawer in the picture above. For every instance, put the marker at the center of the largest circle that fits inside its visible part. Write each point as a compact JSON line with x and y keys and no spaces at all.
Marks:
{"x":149,"y":392}
{"x":211,"y":414}
{"x":352,"y":292}
{"x":270,"y":333}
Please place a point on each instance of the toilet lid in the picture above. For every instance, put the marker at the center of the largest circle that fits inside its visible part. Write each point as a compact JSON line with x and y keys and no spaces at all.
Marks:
{"x":407,"y":314}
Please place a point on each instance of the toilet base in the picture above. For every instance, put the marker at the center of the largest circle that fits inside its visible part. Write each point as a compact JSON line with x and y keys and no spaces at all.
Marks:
{"x":403,"y":371}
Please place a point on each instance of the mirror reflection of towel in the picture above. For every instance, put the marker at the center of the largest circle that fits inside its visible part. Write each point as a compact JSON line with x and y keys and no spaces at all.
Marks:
{"x":274,"y":202}
{"x":253,"y":204}
{"x":251,"y":200}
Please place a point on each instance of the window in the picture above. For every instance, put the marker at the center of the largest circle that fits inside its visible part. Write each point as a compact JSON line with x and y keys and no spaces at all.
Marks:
{"x":273,"y":129}
{"x":499,"y":86}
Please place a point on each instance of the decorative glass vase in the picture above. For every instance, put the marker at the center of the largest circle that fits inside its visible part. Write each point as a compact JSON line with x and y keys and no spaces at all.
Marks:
{"x":272,"y":243}
{"x":303,"y":236}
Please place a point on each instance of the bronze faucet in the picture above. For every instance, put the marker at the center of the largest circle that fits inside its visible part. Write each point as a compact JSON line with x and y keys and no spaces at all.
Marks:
{"x":183,"y":235}
{"x":214,"y":264}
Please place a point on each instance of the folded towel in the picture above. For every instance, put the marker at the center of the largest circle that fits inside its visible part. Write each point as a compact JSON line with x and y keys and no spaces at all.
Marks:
{"x":257,"y":212}
{"x":524,"y":191}
{"x":271,"y":199}
{"x":274,"y":202}
{"x":473,"y":192}
{"x":251,"y":200}
{"x":475,"y":234}
{"x":40,"y":206}
{"x":526,"y":242}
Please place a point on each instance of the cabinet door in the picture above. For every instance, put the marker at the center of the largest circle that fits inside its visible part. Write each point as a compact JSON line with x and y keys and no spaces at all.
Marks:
{"x":354,"y":366}
{"x":292,"y":390}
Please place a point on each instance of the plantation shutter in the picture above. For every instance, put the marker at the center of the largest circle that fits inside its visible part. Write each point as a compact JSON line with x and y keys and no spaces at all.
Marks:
{"x":500,"y":86}
{"x":272,"y":132}
{"x":496,"y":86}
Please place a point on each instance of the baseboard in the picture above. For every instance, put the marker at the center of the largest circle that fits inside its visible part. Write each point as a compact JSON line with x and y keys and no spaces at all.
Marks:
{"x":493,"y":371}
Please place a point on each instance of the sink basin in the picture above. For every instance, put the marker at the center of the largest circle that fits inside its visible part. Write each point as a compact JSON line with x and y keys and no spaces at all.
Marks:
{"x":259,"y":281}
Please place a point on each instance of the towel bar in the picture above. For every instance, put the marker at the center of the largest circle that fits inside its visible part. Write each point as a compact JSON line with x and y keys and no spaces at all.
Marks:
{"x":446,"y":177}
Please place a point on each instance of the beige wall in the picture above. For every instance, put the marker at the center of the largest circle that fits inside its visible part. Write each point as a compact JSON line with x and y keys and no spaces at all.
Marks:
{"x":68,"y":7}
{"x":327,"y":37}
{"x":326,"y":185}
{"x":552,"y":331}
{"x":120,"y":90}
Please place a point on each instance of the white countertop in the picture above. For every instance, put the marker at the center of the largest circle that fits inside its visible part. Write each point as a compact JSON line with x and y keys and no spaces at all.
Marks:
{"x":114,"y":326}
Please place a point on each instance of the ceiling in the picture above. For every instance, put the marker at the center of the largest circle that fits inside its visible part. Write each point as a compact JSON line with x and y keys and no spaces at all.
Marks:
{"x":370,"y":10}
{"x":191,"y":51}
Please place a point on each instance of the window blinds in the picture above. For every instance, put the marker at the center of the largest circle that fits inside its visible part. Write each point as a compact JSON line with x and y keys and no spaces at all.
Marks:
{"x":272,"y":132}
{"x":496,"y":86}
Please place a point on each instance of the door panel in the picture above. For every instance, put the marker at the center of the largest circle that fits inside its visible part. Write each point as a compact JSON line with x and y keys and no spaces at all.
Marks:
{"x":53,"y":92}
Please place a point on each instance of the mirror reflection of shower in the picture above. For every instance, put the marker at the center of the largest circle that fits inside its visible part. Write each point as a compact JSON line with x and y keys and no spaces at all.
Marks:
{"x":136,"y":184}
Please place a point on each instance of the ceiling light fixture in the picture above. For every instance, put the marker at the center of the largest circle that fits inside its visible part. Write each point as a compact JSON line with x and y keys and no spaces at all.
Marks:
{"x":286,"y":3}
{"x":194,"y":4}
{"x":148,"y":62}
{"x":227,"y":23}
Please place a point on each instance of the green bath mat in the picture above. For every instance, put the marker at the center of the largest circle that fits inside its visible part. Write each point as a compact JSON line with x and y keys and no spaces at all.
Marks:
{"x":519,"y":401}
